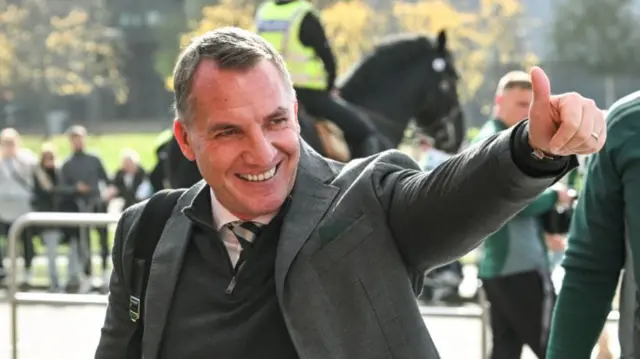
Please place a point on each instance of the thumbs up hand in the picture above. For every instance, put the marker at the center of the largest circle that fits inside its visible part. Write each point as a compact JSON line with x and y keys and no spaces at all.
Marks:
{"x":564,"y":124}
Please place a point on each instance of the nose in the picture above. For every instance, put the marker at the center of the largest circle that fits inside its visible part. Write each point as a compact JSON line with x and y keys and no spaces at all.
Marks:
{"x":260,"y":151}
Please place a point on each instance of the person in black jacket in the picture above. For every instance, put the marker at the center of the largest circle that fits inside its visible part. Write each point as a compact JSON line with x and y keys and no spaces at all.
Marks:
{"x":182,"y":172}
{"x":47,"y":193}
{"x":130,"y":182}
{"x":172,"y":169}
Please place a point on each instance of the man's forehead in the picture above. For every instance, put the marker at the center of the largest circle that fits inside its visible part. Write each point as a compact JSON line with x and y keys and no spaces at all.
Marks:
{"x":208,"y":76}
{"x":229,"y":88}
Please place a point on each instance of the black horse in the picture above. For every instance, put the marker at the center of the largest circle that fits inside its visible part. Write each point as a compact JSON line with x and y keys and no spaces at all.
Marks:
{"x":406,"y":77}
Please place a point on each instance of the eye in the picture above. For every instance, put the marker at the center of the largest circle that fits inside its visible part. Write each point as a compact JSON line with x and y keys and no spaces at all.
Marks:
{"x":279,"y":121}
{"x":227,"y":133}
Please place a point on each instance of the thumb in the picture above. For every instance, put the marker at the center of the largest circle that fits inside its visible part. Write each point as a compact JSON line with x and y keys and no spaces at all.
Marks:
{"x":541,"y":88}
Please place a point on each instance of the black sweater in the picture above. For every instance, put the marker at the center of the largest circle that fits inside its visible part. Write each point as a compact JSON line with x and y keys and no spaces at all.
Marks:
{"x":204,"y":321}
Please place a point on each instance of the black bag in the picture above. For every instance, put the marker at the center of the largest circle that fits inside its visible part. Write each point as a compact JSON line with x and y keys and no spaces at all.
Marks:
{"x":157,"y":210}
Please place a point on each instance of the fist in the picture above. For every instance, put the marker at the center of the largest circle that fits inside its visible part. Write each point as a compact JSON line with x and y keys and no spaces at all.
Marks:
{"x":562,"y":125}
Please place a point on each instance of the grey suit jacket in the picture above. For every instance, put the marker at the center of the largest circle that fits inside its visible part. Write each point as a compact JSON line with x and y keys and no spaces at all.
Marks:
{"x":354,"y":243}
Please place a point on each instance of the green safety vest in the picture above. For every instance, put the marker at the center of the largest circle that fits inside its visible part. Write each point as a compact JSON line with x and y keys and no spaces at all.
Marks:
{"x":280,"y":26}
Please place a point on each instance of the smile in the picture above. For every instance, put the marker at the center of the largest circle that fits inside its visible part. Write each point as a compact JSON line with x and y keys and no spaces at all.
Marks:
{"x":260,"y":177}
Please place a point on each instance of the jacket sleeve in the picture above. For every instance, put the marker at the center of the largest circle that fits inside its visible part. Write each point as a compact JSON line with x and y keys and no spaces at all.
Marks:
{"x":118,"y":329}
{"x":438,"y":216}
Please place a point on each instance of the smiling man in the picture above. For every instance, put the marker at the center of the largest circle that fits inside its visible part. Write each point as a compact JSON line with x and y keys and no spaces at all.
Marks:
{"x":281,"y":253}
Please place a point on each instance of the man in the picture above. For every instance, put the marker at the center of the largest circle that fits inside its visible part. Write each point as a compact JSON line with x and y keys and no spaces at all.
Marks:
{"x":604,"y":238}
{"x":514,"y":266}
{"x":173,"y":170}
{"x":131,"y":182}
{"x":293,"y":27}
{"x":85,"y":172}
{"x":159,"y":174}
{"x":16,"y":186}
{"x":281,"y":253}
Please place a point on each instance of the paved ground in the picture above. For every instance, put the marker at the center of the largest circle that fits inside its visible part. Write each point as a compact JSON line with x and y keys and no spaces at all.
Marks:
{"x":72,"y":333}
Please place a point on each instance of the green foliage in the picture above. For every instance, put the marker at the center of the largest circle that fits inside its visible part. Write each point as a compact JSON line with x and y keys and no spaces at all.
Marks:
{"x":600,"y":34}
{"x":352,"y":27}
{"x":62,"y":52}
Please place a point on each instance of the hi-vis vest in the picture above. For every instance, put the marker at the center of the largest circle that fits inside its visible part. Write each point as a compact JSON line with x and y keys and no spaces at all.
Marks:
{"x":280,"y":26}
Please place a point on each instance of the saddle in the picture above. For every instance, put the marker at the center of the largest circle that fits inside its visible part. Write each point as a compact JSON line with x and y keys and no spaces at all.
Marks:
{"x":332,"y":140}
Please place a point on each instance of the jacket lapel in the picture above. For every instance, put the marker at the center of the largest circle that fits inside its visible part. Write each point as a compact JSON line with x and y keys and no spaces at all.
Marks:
{"x":163,"y":276}
{"x":310,"y":199}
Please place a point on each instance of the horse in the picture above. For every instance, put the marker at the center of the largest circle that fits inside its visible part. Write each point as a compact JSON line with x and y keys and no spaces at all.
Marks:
{"x":406,"y":77}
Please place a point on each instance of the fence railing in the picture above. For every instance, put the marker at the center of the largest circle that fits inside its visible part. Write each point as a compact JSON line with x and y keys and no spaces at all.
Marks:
{"x":58,"y":219}
{"x":53,"y":219}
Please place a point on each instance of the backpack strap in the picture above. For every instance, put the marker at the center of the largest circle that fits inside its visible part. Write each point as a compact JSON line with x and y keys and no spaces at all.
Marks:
{"x":153,"y":219}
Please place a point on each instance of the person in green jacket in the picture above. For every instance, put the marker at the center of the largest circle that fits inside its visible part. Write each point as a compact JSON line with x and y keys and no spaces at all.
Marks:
{"x":514,"y":266}
{"x":604,"y":238}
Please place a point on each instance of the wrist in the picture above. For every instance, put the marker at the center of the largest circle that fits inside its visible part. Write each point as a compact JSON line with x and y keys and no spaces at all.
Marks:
{"x":539,"y":154}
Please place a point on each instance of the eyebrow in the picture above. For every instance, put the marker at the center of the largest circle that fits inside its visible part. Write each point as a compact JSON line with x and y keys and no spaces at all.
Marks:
{"x":279,"y":112}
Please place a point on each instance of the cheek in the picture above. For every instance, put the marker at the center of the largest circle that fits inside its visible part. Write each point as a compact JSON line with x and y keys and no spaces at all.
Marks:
{"x":216,"y":159}
{"x":287,"y":141}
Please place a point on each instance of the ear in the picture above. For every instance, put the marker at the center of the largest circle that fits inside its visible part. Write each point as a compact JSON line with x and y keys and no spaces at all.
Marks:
{"x":442,"y":40}
{"x":497,"y":99}
{"x":180,"y":132}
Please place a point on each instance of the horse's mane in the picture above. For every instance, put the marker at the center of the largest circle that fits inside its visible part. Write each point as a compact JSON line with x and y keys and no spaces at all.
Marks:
{"x":394,"y":50}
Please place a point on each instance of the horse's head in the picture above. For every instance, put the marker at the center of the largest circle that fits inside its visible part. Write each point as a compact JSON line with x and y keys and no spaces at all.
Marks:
{"x":409,"y":76}
{"x":439,"y":114}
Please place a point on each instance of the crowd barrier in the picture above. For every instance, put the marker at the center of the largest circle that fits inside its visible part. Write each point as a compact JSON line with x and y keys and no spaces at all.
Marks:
{"x":56,"y":219}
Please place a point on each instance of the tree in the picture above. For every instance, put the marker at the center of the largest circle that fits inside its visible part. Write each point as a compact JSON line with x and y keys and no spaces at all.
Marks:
{"x":226,"y":13}
{"x":51,"y":51}
{"x":479,"y":38}
{"x":599,"y":34}
{"x":351,"y":27}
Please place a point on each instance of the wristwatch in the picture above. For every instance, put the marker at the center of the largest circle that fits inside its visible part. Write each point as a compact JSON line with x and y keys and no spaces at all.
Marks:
{"x":541,"y":155}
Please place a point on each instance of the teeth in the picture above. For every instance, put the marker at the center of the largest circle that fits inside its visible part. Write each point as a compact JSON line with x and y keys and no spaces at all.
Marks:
{"x":260,"y":177}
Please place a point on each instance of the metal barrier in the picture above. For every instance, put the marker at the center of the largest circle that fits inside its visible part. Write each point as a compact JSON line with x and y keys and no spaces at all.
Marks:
{"x":46,"y":219}
{"x":59,"y":219}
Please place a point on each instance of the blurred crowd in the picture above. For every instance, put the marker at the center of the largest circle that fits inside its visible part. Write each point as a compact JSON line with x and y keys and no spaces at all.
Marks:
{"x":44,"y":182}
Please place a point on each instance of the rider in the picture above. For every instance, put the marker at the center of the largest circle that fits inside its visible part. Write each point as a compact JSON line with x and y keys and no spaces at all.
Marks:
{"x":293,"y":27}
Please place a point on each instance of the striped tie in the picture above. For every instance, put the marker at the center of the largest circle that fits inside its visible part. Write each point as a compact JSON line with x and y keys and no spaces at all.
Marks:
{"x":246,"y":232}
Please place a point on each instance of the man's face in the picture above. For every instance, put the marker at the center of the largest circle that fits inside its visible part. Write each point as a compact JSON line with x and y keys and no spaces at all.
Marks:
{"x":9,"y":147}
{"x":244,"y":136}
{"x":514,"y":105}
{"x":77,"y":142}
{"x":128,"y":165}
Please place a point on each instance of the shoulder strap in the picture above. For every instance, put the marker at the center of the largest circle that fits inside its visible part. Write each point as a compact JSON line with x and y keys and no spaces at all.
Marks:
{"x":152,"y":222}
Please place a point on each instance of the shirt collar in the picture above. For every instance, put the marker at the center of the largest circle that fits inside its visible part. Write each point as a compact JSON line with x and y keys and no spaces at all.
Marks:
{"x":222,"y":217}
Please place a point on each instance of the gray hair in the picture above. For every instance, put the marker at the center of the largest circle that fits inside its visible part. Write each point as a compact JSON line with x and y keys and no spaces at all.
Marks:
{"x":231,"y":48}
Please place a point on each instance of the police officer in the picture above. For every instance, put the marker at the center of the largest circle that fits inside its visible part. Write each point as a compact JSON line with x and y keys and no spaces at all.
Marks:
{"x":293,"y":27}
{"x":172,"y":170}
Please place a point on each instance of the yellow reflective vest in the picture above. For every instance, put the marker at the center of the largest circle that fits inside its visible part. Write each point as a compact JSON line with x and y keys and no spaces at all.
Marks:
{"x":280,"y":26}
